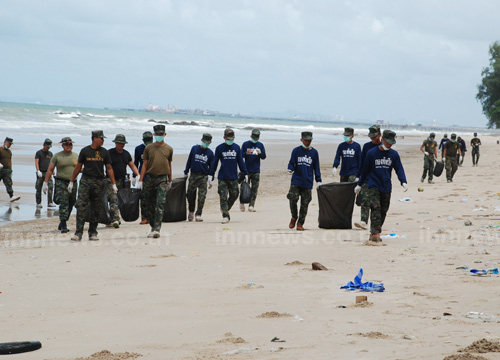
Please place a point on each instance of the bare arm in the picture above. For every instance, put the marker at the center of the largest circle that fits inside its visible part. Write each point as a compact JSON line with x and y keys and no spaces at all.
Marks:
{"x":78,"y":167}
{"x":422,"y":148}
{"x":50,"y":171}
{"x":111,"y":173}
{"x":170,"y":172}
{"x":134,"y":168}
{"x":143,"y":170}
{"x":37,"y":162}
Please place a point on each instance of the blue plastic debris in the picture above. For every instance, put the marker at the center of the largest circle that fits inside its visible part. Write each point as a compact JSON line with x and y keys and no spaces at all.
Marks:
{"x":484,"y":271}
{"x":367,"y":286}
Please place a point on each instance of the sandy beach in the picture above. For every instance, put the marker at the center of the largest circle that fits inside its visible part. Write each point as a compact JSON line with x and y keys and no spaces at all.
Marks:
{"x":211,"y":291}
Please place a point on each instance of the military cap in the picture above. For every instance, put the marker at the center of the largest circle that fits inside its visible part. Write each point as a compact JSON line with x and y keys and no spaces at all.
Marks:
{"x":10,"y":140}
{"x":207,"y":138}
{"x":445,"y":135}
{"x":229,"y":134}
{"x":255,"y":133}
{"x":159,"y":129}
{"x":66,"y":141}
{"x":432,"y":135}
{"x":475,"y":134}
{"x":374,"y":130}
{"x":47,"y":141}
{"x":453,"y":136}
{"x":389,"y":136}
{"x":348,"y":131}
{"x":98,"y":134}
{"x":120,"y":138}
{"x":307,"y":135}
{"x":147,"y":135}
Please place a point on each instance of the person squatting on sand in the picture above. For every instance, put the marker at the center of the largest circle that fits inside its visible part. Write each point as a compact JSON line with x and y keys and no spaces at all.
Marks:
{"x":349,"y":152}
{"x":199,"y":160}
{"x":429,"y":148}
{"x":120,"y":159}
{"x":253,"y":151}
{"x":6,"y":167}
{"x":376,"y":173}
{"x":451,"y":148}
{"x":147,"y":138}
{"x":374,"y":135}
{"x":230,"y":158}
{"x":94,"y":158}
{"x":303,"y":166}
{"x":42,"y":162}
{"x":65,"y":162}
{"x":157,"y":177}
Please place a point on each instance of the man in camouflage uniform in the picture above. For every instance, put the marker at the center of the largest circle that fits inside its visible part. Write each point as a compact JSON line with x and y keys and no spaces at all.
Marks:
{"x":304,"y":168}
{"x":65,"y":162}
{"x":429,"y":148}
{"x":253,"y":151}
{"x":120,"y":159}
{"x":93,"y":158}
{"x":147,"y":138}
{"x":231,"y":158}
{"x":475,"y":143}
{"x":6,"y":168}
{"x":156,"y":174}
{"x":451,"y":148}
{"x":199,"y":160}
{"x":42,"y":162}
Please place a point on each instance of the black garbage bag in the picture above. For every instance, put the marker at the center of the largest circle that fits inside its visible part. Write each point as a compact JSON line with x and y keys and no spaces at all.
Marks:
{"x":175,"y":207}
{"x":336,"y":202}
{"x":438,"y":168}
{"x":245,"y":193}
{"x":105,"y":215}
{"x":128,"y":203}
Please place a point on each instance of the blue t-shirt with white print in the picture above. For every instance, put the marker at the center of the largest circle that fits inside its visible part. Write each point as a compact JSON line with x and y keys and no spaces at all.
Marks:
{"x":377,"y":169}
{"x":366,"y":147}
{"x":252,"y":161}
{"x":304,"y":164}
{"x":230,"y":159}
{"x":350,"y":154}
{"x":199,"y":160}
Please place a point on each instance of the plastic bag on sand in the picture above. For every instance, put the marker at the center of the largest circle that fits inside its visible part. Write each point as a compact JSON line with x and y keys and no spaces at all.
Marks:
{"x":128,"y":203}
{"x":367,"y":286}
{"x":245,"y":193}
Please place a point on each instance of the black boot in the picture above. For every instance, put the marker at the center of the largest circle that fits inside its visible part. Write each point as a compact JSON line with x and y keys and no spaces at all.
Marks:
{"x":63,"y":228}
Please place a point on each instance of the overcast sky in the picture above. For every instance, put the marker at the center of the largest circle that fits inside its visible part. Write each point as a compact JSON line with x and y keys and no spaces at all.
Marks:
{"x":402,"y":60}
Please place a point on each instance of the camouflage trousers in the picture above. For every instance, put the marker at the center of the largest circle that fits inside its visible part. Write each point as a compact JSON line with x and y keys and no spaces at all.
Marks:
{"x":154,"y":189}
{"x":428,"y":167}
{"x":114,"y":211}
{"x":475,"y":155}
{"x":228,"y":193}
{"x":89,"y":194}
{"x":197,"y":181}
{"x":253,"y":180}
{"x":348,"y":178}
{"x":143,"y":206}
{"x":379,"y":205}
{"x":65,"y":200}
{"x":365,"y":205}
{"x":6,"y":177}
{"x":451,"y":166}
{"x":38,"y":187}
{"x":305,"y":196}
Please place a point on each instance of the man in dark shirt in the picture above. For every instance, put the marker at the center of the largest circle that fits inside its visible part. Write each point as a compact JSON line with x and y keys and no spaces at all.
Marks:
{"x":474,"y":144}
{"x":429,"y":148}
{"x":147,"y":138}
{"x":451,"y":148}
{"x":253,"y":151}
{"x":93,"y":158}
{"x":42,"y":162}
{"x":120,"y":159}
{"x":463,"y":149}
{"x":6,"y":167}
{"x":444,"y":140}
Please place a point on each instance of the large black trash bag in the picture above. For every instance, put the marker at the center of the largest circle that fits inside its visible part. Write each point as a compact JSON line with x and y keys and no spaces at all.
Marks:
{"x":336,"y":202}
{"x":105,"y":215}
{"x":245,"y":193}
{"x":128,"y":202}
{"x":175,"y":207}
{"x":438,"y":168}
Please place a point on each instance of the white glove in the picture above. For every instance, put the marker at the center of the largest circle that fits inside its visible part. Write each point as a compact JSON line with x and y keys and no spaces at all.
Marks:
{"x":1,"y":166}
{"x":169,"y":185}
{"x":461,"y":157}
{"x":139,"y":185}
{"x":70,"y":187}
{"x":39,"y":174}
{"x":426,"y":153}
{"x":290,"y":172}
{"x":210,"y":183}
{"x":357,"y":189}
{"x":318,"y":184}
{"x":334,"y":171}
{"x":357,"y":179}
{"x":134,"y":180}
{"x":45,"y":187}
{"x":246,"y":178}
{"x":405,"y":187}
{"x":115,"y":188}
{"x":443,"y":159}
{"x":258,"y":151}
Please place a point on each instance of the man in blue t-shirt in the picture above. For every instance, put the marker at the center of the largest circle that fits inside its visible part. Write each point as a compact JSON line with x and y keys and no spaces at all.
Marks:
{"x":230,"y":158}
{"x":198,"y":162}
{"x":253,"y":151}
{"x":443,"y":142}
{"x":304,"y":167}
{"x":147,"y":138}
{"x":376,"y":173}
{"x":349,"y":152}
{"x":374,"y":135}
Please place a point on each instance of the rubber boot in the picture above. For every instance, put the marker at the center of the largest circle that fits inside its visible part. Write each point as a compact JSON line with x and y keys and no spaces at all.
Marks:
{"x":63,"y":227}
